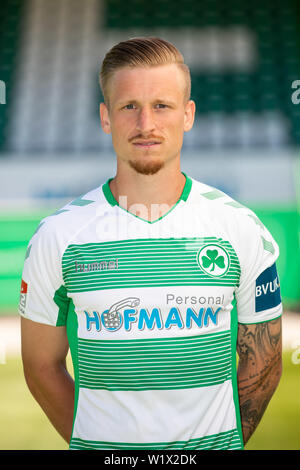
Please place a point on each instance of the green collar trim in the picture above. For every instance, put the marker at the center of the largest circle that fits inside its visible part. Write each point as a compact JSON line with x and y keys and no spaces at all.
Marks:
{"x":113,"y":202}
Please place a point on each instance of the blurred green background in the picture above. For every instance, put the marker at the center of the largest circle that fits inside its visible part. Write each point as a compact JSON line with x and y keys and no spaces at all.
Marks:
{"x":245,"y":63}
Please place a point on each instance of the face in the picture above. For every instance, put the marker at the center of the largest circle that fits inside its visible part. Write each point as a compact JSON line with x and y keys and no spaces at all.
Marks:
{"x":147,"y":116}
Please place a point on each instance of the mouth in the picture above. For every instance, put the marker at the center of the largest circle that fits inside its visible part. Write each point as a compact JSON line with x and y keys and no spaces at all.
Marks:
{"x":146,"y":144}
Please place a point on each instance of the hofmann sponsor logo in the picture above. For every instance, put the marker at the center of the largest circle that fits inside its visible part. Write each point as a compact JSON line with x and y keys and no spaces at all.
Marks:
{"x":129,"y":312}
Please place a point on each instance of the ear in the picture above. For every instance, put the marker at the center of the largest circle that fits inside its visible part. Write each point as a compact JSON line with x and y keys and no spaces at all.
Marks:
{"x":189,"y":115}
{"x":104,"y":118}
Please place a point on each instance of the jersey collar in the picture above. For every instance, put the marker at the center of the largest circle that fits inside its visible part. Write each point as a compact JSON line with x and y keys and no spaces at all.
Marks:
{"x":113,"y":202}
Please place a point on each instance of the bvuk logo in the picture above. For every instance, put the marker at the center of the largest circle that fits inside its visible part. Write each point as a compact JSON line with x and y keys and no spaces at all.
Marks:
{"x":213,"y":260}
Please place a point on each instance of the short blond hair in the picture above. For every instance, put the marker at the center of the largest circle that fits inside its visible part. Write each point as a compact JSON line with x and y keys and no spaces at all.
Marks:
{"x":142,"y":52}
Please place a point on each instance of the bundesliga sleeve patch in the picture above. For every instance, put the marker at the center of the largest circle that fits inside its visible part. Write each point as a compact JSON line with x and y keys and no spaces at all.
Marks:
{"x":267,"y":290}
{"x":23,"y":295}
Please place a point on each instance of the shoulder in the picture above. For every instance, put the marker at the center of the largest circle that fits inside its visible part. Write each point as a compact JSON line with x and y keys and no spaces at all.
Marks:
{"x":59,"y":227}
{"x":222,"y":205}
{"x":233,"y":219}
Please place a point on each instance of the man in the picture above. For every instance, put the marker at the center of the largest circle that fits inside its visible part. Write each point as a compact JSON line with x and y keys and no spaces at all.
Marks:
{"x":155,"y":281}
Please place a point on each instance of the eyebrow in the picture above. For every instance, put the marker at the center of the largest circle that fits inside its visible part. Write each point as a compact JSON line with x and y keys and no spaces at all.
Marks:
{"x":157,"y":101}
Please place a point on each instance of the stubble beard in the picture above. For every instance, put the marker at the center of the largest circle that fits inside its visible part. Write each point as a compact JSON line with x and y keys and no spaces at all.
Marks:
{"x":146,"y":168}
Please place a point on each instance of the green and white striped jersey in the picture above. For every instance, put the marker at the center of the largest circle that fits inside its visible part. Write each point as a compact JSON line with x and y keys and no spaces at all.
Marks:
{"x":152,"y":311}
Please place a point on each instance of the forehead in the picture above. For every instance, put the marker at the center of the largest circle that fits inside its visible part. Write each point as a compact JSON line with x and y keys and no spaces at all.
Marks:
{"x":163,"y":81}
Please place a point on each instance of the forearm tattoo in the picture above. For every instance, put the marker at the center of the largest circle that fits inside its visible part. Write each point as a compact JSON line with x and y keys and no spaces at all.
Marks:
{"x":259,"y":370}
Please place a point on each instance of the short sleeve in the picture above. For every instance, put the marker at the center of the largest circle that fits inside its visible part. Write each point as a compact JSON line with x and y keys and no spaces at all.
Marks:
{"x":43,"y":297}
{"x":258,"y":295}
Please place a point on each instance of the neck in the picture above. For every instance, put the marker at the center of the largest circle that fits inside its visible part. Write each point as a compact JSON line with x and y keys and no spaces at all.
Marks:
{"x":148,"y":196}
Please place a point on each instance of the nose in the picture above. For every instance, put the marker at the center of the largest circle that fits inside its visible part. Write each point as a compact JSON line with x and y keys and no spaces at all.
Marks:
{"x":145,"y":120}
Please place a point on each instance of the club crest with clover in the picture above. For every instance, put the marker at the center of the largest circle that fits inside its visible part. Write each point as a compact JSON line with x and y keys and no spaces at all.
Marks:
{"x":213,"y":260}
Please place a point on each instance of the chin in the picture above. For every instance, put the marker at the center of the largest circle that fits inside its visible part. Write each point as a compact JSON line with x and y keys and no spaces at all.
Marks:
{"x":146,"y":168}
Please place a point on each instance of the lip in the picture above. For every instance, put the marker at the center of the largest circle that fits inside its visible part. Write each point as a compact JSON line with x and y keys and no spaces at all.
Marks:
{"x":149,"y":143}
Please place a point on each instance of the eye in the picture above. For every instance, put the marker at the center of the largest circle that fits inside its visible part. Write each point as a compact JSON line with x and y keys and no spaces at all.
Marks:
{"x":129,"y":106}
{"x":161,"y":105}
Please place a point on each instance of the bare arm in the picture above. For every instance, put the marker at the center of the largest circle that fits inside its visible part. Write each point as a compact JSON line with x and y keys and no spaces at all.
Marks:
{"x":44,"y":351}
{"x":259,"y":370}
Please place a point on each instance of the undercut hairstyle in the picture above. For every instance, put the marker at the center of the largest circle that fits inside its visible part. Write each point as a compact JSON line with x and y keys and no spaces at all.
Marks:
{"x":142,"y":52}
